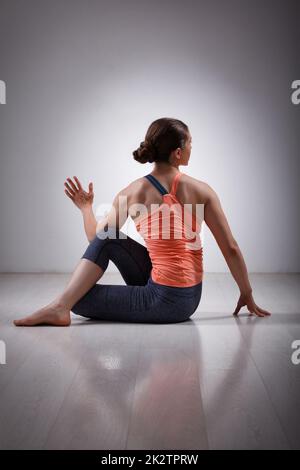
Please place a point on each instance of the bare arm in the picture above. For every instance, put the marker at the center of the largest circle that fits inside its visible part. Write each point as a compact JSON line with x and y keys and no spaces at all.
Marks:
{"x":89,"y":222}
{"x":217,"y":222}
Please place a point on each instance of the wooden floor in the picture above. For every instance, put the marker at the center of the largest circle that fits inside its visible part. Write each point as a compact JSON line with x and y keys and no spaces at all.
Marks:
{"x":214,"y":382}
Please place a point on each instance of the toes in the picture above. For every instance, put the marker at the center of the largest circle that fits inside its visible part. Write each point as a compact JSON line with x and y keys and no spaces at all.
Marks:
{"x":21,"y":322}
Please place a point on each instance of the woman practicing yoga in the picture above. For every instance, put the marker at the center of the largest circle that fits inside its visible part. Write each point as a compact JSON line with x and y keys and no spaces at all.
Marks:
{"x":164,"y":279}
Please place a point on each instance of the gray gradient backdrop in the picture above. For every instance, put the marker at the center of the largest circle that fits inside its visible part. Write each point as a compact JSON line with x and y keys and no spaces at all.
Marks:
{"x":85,"y":79}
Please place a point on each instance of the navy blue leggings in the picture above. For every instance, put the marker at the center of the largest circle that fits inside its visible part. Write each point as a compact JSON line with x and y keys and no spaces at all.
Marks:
{"x":141,"y":300}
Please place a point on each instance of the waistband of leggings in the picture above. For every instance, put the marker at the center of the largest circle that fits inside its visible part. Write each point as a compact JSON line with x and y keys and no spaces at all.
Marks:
{"x":184,"y":289}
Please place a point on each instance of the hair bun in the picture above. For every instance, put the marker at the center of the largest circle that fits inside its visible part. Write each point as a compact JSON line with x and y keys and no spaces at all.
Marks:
{"x":146,"y":153}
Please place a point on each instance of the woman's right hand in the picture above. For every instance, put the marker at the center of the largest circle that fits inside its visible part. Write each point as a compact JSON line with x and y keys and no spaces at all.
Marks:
{"x":251,"y":305}
{"x":80,"y":198}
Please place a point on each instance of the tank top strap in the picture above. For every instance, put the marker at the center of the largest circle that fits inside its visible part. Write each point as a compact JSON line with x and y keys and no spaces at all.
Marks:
{"x":175,"y":183}
{"x":156,"y":183}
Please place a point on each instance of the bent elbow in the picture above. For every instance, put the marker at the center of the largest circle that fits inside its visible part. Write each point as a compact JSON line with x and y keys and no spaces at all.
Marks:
{"x":233,"y":248}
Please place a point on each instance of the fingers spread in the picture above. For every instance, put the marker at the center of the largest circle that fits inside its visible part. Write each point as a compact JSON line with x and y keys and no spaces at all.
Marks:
{"x":258,"y":313}
{"x":78,"y":183}
{"x":237,"y":310}
{"x":69,"y":189}
{"x":72,"y":184}
{"x":265,"y":312}
{"x":68,"y":194}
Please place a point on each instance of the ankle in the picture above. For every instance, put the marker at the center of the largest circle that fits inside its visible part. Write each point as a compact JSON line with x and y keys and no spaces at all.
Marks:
{"x":60,"y":304}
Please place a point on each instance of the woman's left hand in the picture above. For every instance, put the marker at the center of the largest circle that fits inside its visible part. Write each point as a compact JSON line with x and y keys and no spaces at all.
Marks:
{"x":248,"y":301}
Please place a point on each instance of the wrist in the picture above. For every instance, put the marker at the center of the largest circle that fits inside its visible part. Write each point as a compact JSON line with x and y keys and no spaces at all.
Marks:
{"x":86,"y":209}
{"x":246,"y":293}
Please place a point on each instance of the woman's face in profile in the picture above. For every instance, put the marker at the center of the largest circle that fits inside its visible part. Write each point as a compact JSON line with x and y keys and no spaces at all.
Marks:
{"x":186,"y":153}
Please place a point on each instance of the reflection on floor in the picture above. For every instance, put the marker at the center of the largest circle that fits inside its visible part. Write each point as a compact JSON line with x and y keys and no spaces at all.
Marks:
{"x":213,"y":382}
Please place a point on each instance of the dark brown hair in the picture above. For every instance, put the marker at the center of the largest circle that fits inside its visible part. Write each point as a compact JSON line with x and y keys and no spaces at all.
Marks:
{"x":163,"y":136}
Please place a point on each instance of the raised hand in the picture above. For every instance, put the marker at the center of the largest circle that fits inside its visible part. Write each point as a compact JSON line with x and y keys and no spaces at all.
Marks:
{"x":77,"y":194}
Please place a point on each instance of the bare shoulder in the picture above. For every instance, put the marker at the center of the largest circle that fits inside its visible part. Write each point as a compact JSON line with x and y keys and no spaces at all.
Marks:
{"x":134,"y":186}
{"x":202,"y":190}
{"x":189,"y":189}
{"x":133,"y":190}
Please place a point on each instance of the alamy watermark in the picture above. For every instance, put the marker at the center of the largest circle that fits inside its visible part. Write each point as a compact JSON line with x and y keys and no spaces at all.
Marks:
{"x":295,"y":358}
{"x":162,"y":217}
{"x":2,"y":352}
{"x":295,"y":96}
{"x":2,"y":92}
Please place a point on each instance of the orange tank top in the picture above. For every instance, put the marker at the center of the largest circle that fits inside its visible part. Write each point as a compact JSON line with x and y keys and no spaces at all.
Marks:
{"x":172,"y":238}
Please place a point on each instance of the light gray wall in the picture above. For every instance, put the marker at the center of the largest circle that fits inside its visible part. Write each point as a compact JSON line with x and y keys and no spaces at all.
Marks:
{"x":85,"y":79}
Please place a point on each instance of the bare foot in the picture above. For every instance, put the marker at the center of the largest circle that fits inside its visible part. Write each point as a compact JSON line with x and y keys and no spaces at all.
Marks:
{"x":53,"y":314}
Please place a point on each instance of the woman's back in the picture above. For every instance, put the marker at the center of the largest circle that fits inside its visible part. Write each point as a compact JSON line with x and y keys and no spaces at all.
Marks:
{"x":189,"y":191}
{"x":170,"y":229}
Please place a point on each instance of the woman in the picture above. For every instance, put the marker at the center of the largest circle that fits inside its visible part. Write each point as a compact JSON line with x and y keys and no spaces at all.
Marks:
{"x":163,"y":279}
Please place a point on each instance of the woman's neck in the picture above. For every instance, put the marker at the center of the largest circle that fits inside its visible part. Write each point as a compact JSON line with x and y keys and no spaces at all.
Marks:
{"x":165,"y":167}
